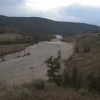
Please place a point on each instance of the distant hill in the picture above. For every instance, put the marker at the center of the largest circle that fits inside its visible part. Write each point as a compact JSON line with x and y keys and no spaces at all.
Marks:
{"x":42,"y":25}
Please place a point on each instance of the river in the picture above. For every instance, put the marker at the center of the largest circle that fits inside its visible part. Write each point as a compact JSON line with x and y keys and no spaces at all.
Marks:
{"x":24,"y":69}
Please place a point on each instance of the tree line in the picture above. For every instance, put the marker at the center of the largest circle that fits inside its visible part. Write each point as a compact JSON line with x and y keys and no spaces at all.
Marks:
{"x":86,"y":49}
{"x":64,"y":79}
{"x":69,"y":80}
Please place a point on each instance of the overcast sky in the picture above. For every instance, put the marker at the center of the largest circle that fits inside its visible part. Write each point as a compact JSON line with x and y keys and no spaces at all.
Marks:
{"x":84,"y":11}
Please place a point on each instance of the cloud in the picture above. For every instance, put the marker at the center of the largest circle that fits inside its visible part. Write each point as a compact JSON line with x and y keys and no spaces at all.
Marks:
{"x":79,"y":13}
{"x":73,"y":12}
{"x":45,"y":5}
{"x":11,"y":3}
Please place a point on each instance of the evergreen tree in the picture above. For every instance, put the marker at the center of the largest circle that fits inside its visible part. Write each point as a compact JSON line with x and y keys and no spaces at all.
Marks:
{"x":88,"y":49}
{"x":98,"y":83}
{"x":74,"y":77}
{"x":1,"y":32}
{"x":85,"y":49}
{"x":66,"y":79}
{"x":54,"y":66}
{"x":59,"y":54}
{"x":79,"y":80}
{"x":77,"y":49}
{"x":92,"y":81}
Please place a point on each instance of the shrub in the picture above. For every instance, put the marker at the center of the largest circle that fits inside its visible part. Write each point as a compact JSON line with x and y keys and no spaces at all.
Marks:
{"x":28,"y":53}
{"x":38,"y":84}
{"x":71,"y":89}
{"x":3,"y":86}
{"x":25,"y":85}
{"x":14,"y":87}
{"x":3,"y":60}
{"x":51,"y":85}
{"x":18,"y":93}
{"x":83,"y":92}
{"x":18,"y":56}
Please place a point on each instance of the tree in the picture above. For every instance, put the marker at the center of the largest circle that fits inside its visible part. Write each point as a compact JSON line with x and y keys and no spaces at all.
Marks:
{"x":59,"y":54}
{"x":85,"y":49}
{"x":92,"y":81}
{"x":66,"y":79}
{"x":79,"y":81}
{"x":77,"y":49}
{"x":88,"y":49}
{"x":74,"y":77}
{"x":54,"y":66}
{"x":1,"y":32}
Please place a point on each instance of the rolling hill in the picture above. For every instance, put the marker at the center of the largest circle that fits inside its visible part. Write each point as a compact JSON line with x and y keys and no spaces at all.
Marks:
{"x":42,"y":25}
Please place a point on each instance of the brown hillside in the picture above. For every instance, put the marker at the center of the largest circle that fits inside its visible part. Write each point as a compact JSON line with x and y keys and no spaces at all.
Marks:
{"x":86,"y":62}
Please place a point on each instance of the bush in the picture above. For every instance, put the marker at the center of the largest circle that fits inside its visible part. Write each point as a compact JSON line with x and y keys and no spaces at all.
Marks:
{"x":28,"y":53}
{"x":25,"y":85}
{"x":51,"y":85}
{"x":3,"y":60}
{"x":18,"y":93}
{"x":38,"y":84}
{"x":83,"y":92}
{"x":18,"y":56}
{"x":3,"y":86}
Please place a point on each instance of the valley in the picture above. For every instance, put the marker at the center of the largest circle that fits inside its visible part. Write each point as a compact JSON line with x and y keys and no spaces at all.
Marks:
{"x":25,"y":68}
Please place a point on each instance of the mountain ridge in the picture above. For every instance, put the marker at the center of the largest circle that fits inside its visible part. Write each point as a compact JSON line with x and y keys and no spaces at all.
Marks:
{"x":44,"y":25}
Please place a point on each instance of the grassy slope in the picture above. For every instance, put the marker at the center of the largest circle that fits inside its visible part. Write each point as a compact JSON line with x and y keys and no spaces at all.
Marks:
{"x":10,"y":48}
{"x":86,"y":62}
{"x":12,"y":36}
{"x":5,"y":49}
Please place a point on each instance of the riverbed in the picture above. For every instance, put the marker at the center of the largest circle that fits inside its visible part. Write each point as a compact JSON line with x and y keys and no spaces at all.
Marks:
{"x":25,"y":68}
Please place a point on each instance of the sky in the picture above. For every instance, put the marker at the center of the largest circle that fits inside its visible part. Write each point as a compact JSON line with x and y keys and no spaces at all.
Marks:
{"x":84,"y":11}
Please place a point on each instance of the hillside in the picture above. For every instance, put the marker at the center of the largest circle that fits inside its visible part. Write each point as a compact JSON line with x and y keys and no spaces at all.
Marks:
{"x":85,"y":62}
{"x":41,"y":25}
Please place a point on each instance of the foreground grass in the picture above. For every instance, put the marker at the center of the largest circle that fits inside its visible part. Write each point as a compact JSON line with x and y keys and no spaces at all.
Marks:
{"x":38,"y":89}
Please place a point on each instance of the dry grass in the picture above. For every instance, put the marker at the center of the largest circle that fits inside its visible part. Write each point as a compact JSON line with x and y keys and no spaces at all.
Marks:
{"x":17,"y":46}
{"x":11,"y":36}
{"x":6,"y":49}
{"x":51,"y":92}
